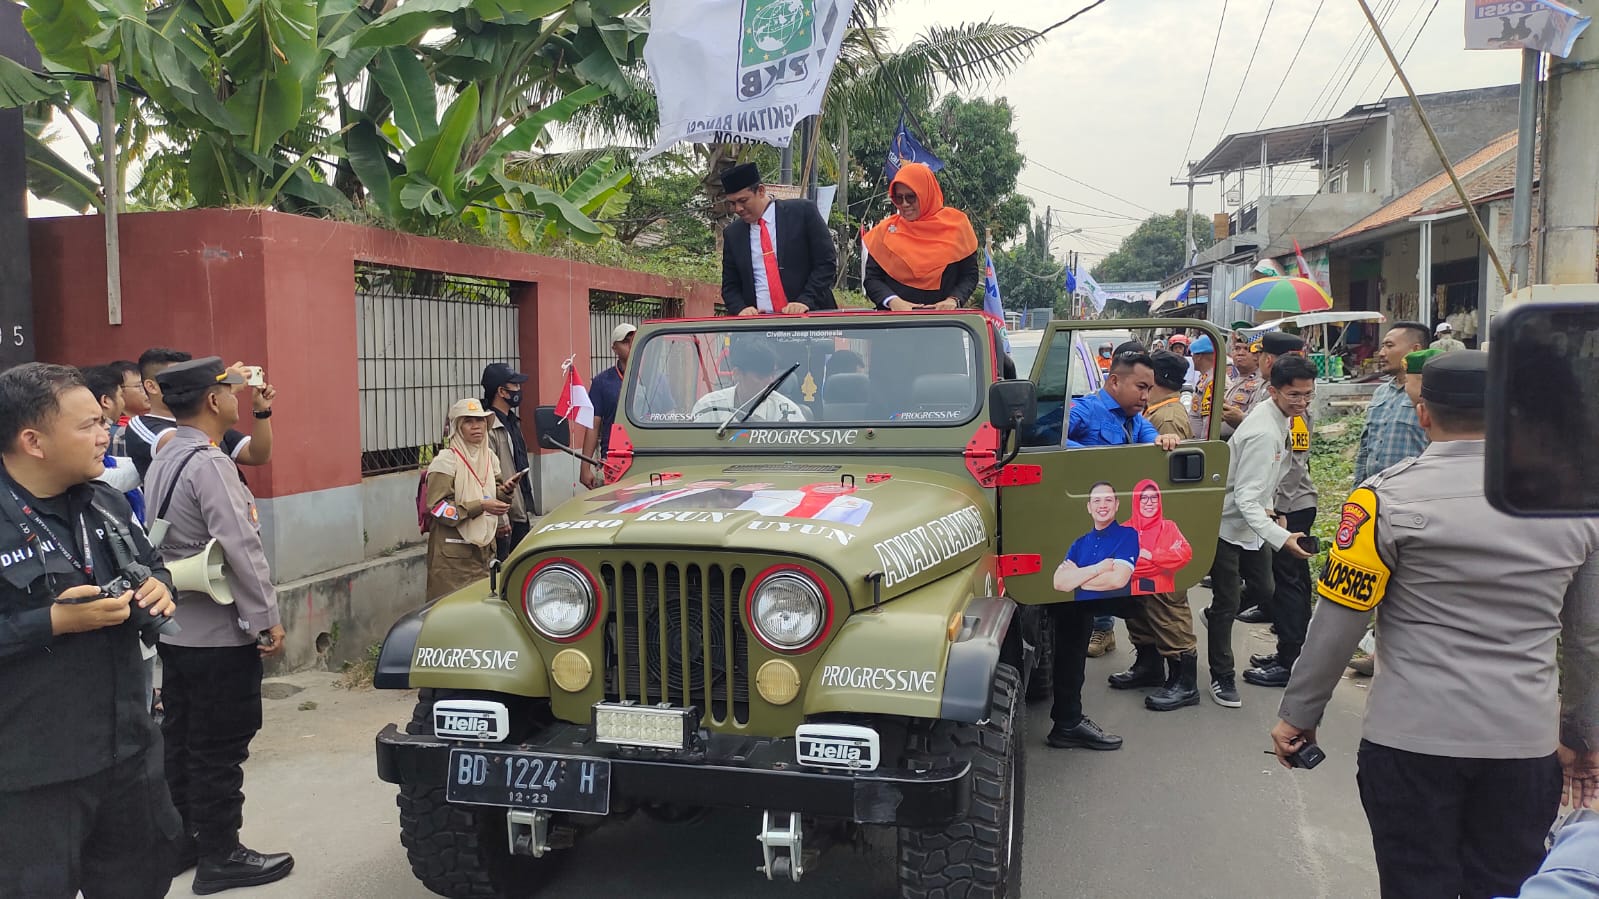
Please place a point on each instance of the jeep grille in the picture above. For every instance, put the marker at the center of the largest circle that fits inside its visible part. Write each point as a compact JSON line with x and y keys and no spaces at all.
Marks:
{"x":676,"y":636}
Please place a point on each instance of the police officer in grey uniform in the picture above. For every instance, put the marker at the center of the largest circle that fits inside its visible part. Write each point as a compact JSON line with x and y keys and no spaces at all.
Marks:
{"x":211,"y":672}
{"x":1460,"y":765}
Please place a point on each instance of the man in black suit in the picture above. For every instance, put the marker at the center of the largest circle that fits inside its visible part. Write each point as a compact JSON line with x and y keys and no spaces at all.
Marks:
{"x":783,"y":238}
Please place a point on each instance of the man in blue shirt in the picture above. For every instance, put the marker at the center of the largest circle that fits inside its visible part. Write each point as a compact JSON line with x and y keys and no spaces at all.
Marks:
{"x":1114,"y":415}
{"x":1098,"y":567}
{"x":606,"y":392}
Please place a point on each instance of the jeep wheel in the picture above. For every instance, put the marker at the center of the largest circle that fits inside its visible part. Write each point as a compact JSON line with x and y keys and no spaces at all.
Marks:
{"x":979,"y":856}
{"x":456,"y":850}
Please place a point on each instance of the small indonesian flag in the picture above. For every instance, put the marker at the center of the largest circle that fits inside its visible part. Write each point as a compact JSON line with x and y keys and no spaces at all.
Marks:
{"x":574,"y":402}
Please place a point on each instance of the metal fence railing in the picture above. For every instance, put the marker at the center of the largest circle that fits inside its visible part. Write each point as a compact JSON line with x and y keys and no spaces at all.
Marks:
{"x":423,"y":338}
{"x":607,"y":310}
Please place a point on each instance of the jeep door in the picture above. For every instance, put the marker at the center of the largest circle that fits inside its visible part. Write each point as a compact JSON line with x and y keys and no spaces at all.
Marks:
{"x":1157,"y":511}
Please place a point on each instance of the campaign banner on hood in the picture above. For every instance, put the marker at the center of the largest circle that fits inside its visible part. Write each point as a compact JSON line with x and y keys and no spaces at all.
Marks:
{"x":741,"y":71}
{"x":1542,"y":25}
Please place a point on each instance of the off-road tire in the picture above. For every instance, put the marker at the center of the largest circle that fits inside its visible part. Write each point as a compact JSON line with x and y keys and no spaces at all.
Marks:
{"x":980,"y":855}
{"x":1041,"y":682}
{"x":458,"y":851}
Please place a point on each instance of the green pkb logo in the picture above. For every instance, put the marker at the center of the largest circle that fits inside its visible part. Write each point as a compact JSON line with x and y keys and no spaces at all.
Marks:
{"x":777,"y":35}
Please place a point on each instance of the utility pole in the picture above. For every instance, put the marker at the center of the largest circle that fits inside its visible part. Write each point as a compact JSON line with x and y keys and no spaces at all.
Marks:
{"x":1188,"y":221}
{"x":16,"y":279}
{"x":1570,"y":191}
{"x":1521,"y":208}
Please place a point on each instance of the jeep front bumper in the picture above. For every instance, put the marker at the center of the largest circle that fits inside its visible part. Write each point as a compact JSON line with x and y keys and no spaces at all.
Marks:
{"x":734,"y":772}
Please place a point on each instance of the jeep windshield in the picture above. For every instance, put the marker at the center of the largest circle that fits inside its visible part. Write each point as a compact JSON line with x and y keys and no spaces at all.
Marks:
{"x":885,"y":372}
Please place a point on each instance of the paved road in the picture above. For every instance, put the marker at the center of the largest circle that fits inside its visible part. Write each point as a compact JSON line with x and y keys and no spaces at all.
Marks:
{"x":1190,"y":807}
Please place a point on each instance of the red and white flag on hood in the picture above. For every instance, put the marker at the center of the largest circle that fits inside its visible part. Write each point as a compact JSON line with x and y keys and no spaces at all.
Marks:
{"x":574,"y":404}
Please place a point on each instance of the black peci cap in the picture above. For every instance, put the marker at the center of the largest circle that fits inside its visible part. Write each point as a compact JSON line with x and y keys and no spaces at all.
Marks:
{"x":740,"y":177}
{"x":1277,"y":343}
{"x":195,"y":375}
{"x":1170,"y":369}
{"x":1458,"y":379}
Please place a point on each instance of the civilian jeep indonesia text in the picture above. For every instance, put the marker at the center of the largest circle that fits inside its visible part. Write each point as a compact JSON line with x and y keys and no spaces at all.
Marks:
{"x":813,"y":585}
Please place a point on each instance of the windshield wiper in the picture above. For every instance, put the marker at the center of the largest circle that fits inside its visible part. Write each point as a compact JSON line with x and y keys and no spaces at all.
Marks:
{"x":756,"y":402}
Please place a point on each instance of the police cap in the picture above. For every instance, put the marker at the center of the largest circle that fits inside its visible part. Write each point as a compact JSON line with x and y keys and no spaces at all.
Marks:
{"x":740,"y":177}
{"x":1458,"y":379}
{"x":196,"y":375}
{"x":1170,"y":369}
{"x":1278,"y":343}
{"x":1415,"y":362}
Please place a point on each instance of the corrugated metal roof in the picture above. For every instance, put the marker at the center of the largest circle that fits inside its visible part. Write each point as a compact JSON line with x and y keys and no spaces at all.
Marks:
{"x":1290,"y":144}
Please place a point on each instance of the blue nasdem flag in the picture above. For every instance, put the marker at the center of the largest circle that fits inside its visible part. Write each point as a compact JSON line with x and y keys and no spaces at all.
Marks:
{"x":906,"y":148}
{"x":1071,"y":281}
{"x":992,"y":306}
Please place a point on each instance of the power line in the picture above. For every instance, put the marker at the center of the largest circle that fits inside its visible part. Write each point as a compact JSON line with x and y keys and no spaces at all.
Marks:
{"x":1206,"y":89}
{"x":1091,"y":187}
{"x":1243,"y":82}
{"x":1024,"y":42}
{"x":1391,"y":16}
{"x":1064,"y":199}
{"x":1306,"y":36}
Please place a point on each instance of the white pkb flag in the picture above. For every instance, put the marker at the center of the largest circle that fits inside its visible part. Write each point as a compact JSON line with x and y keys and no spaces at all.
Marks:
{"x":741,"y":71}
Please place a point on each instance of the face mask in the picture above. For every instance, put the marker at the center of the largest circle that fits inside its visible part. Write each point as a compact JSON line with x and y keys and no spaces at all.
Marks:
{"x":513,"y":399}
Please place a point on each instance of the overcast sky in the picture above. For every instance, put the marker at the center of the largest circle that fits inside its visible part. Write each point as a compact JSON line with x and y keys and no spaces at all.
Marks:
{"x":1110,"y":99}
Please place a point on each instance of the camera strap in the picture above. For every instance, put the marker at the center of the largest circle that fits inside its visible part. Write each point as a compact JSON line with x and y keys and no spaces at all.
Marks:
{"x":31,"y":516}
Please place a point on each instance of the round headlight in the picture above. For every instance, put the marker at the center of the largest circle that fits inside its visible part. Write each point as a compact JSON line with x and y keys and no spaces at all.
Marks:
{"x":788,"y":610}
{"x":559,"y":601}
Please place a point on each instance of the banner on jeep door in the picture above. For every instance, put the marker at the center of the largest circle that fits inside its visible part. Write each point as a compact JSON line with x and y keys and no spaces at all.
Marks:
{"x":741,"y":71}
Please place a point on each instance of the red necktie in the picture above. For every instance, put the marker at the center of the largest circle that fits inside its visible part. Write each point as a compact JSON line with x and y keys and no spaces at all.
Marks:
{"x":774,"y":281}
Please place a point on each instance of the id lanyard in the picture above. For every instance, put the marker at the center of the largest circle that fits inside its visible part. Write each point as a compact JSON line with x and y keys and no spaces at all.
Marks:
{"x":85,"y":565}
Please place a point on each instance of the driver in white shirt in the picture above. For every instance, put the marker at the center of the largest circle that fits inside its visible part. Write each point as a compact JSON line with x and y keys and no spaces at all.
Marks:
{"x":754,"y":366}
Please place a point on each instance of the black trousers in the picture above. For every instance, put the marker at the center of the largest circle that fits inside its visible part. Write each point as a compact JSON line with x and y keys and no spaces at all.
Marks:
{"x":112,"y":835}
{"x":1290,"y":600}
{"x":213,"y":701}
{"x":1447,"y":827}
{"x":1074,"y":625}
{"x":1235,"y":571}
{"x":504,"y":545}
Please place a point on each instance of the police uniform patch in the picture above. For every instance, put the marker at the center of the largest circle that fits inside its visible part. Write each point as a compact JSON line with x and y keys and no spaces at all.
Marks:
{"x":1299,"y":435}
{"x":1355,"y":576}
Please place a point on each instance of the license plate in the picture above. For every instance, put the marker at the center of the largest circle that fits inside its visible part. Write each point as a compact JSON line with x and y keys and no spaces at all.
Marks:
{"x":530,"y":780}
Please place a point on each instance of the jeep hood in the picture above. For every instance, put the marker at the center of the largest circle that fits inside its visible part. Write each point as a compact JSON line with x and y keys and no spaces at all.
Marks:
{"x":912,"y":526}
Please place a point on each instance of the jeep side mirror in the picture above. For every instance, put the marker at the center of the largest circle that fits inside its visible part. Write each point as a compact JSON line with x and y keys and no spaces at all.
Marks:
{"x":1012,"y":405}
{"x":553,"y":431}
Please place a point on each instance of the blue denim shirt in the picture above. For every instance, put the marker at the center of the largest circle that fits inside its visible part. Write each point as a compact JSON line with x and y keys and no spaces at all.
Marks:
{"x":1572,"y":868}
{"x":1097,"y":420}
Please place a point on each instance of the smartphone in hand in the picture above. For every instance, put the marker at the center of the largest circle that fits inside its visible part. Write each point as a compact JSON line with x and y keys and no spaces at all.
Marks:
{"x":1310,"y":545}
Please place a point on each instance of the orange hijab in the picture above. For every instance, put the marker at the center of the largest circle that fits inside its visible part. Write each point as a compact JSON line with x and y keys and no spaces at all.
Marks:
{"x":916,"y":253}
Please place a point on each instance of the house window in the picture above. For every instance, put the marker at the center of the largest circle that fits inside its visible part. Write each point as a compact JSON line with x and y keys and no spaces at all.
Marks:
{"x":1365,"y":176}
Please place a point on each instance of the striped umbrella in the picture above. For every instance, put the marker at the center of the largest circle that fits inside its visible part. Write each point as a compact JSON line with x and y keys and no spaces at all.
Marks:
{"x":1289,"y":295}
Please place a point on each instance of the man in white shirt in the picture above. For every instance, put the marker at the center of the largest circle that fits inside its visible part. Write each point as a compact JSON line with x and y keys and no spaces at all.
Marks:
{"x":1259,"y":455}
{"x":754,"y":366}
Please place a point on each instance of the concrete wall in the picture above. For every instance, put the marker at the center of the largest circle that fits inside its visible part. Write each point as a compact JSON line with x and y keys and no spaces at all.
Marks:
{"x":334,"y":617}
{"x":1466,"y":121}
{"x":1314,"y":217}
{"x":1372,"y":144}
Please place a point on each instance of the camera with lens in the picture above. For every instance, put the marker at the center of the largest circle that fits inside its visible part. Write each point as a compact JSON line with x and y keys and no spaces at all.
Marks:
{"x":153,"y":626}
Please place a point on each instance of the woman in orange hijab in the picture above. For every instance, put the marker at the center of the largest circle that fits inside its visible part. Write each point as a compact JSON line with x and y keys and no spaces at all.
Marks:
{"x":924,"y":256}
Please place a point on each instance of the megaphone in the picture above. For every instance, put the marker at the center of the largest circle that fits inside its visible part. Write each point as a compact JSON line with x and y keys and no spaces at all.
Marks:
{"x":203,"y":572}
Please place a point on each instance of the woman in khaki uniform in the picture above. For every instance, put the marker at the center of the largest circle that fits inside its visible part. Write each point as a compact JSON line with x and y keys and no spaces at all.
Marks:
{"x":468,"y":502}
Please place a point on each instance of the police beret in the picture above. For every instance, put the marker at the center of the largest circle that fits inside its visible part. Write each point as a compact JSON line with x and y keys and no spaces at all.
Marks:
{"x":1202,"y":344}
{"x":1415,"y":362}
{"x":196,"y":374}
{"x":740,"y":177}
{"x":1170,"y":369}
{"x":1277,"y":343}
{"x":1457,"y":379}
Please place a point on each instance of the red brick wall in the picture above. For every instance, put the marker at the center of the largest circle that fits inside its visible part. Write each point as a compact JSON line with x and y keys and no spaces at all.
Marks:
{"x":278,"y":290}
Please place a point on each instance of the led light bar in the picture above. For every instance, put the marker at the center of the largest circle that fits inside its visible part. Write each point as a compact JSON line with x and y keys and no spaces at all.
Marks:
{"x":651,"y":727}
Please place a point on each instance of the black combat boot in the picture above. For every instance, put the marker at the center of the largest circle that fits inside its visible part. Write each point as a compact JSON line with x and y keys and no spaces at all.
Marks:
{"x":1146,"y":671}
{"x":241,"y":868}
{"x":1182,"y":689}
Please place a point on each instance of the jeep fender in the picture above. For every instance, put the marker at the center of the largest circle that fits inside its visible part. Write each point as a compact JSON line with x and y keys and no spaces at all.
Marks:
{"x":467,"y":640}
{"x":973,"y":657}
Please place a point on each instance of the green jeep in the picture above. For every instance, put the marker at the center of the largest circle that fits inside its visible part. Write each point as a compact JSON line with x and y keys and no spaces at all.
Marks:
{"x":814,"y":585}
